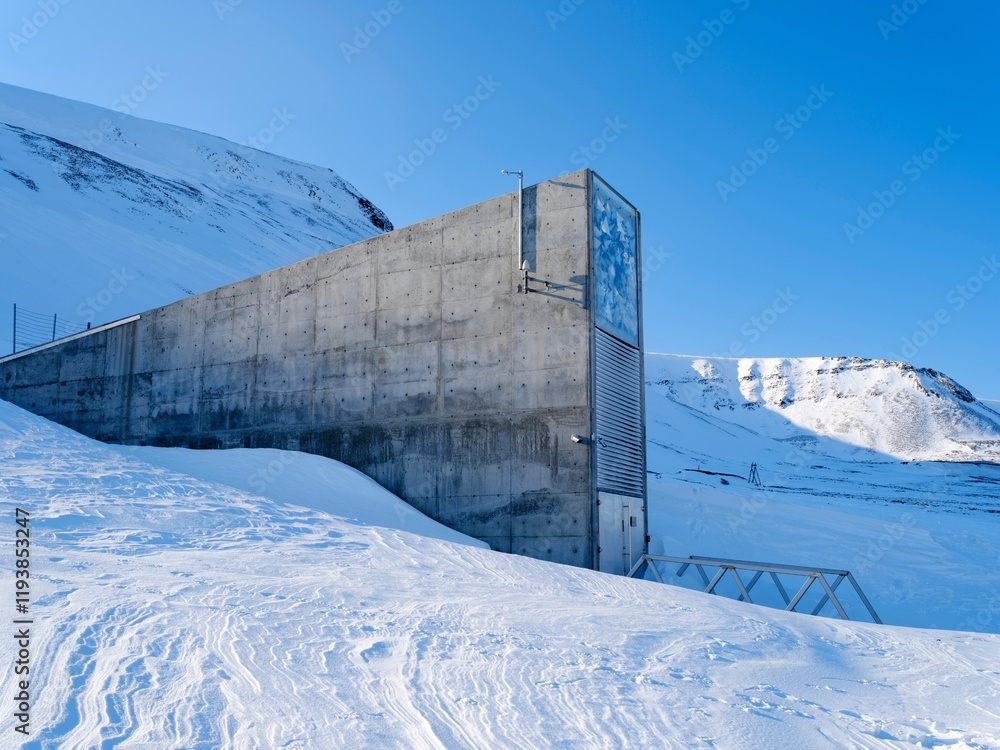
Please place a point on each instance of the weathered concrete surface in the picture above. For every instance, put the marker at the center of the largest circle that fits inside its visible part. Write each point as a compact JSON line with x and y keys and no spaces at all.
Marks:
{"x":413,"y":356}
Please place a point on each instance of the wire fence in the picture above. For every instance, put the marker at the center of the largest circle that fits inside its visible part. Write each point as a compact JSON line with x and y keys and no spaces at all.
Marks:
{"x":33,"y":329}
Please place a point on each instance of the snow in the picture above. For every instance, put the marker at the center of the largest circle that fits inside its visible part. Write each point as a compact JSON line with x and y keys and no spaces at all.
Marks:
{"x":889,"y":407}
{"x":301,"y":479}
{"x":921,"y":536}
{"x":126,"y":214}
{"x":173,"y":609}
{"x":248,"y":599}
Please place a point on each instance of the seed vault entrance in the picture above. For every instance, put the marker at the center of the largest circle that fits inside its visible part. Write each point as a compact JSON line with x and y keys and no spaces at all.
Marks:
{"x":621,"y":528}
{"x":619,"y":440}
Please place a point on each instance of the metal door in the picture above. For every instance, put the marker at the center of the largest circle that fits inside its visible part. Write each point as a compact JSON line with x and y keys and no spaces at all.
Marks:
{"x":620,"y":532}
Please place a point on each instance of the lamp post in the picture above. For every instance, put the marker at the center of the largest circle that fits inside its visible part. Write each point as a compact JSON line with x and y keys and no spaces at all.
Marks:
{"x":520,"y":216}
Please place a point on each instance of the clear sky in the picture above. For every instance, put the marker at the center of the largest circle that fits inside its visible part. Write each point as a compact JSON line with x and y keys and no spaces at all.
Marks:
{"x":814,"y":178}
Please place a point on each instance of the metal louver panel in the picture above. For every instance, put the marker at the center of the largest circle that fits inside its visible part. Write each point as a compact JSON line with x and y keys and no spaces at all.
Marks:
{"x":620,"y":452}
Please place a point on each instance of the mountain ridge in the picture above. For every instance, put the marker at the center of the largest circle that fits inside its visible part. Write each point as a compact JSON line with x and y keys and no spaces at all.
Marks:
{"x":893,"y":408}
{"x":88,"y":193}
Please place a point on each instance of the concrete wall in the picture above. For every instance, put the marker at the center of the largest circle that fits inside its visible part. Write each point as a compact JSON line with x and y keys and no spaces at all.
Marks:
{"x":413,"y":356}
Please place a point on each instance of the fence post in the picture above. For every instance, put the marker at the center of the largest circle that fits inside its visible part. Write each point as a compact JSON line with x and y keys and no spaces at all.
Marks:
{"x":15,"y":329}
{"x":54,"y":316}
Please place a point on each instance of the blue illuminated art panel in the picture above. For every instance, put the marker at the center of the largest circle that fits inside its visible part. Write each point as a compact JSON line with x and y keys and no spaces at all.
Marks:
{"x":616,"y":290}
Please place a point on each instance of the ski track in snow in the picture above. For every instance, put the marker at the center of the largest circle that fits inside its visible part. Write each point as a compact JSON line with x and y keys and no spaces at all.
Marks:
{"x":174,"y":612}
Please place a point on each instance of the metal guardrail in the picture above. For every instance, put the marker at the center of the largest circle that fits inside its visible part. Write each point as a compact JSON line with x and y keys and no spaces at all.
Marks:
{"x":32,"y":329}
{"x":732,"y":567}
{"x":71,"y":337}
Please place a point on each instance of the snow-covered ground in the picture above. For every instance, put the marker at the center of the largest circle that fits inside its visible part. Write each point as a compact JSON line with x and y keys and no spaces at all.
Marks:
{"x":248,"y":599}
{"x":172,"y":609}
{"x":125,"y":214}
{"x":921,"y":535}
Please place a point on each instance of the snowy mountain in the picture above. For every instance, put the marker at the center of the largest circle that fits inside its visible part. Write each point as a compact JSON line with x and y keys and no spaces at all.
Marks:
{"x":890,"y":472}
{"x":126,"y":214}
{"x":172,"y":609}
{"x":890,"y":407}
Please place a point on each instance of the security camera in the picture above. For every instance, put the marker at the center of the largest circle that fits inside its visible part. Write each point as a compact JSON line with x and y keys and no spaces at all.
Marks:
{"x":577,"y":438}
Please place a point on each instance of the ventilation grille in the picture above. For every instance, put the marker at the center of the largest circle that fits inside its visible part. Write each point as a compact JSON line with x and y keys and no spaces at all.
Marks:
{"x":621,"y":467}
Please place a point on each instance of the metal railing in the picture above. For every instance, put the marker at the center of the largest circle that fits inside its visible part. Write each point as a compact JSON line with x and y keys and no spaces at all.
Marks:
{"x":759,"y":570}
{"x":32,"y":329}
{"x":71,"y":337}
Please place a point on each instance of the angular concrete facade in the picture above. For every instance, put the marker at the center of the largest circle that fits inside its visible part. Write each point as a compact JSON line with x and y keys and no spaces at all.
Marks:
{"x":415,"y":356}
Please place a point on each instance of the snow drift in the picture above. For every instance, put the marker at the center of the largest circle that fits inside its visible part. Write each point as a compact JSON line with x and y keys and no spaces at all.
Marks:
{"x":171,"y":611}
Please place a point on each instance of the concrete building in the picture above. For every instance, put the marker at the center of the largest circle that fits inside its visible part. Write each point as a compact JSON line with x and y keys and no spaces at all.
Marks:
{"x":505,"y":403}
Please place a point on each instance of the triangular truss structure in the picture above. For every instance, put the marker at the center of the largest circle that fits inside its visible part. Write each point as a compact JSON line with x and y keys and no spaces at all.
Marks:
{"x":829,"y":579}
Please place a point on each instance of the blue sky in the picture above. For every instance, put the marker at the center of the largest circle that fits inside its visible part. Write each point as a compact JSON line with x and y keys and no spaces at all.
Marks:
{"x":814,"y":178}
